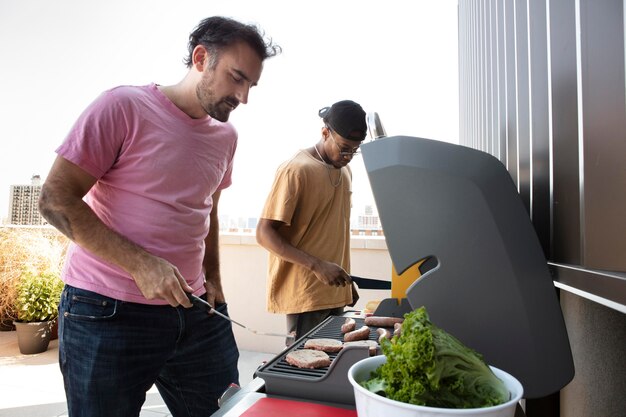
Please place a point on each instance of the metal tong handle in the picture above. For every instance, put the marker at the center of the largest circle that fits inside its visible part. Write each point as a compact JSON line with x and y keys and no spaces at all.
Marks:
{"x":199,"y":302}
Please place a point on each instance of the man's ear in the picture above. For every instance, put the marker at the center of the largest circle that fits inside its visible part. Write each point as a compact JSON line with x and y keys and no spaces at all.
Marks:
{"x":325,"y":132}
{"x":200,"y":57}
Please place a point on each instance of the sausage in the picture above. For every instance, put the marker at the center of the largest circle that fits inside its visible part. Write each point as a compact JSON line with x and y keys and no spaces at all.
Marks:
{"x":348,"y":326}
{"x":372,"y":345}
{"x":383,"y":334}
{"x":397,"y":329}
{"x":379,"y":321}
{"x":360,"y":334}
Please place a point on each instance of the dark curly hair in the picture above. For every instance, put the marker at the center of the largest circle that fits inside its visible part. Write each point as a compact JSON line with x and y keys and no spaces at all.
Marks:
{"x":216,"y":32}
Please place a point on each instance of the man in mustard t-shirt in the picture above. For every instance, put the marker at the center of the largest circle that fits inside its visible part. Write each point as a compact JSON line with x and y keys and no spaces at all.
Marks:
{"x":305,"y":224}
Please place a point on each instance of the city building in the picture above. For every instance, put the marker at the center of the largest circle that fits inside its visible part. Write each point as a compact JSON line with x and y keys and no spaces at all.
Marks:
{"x":235,"y":224}
{"x":23,"y":200}
{"x":367,"y":223}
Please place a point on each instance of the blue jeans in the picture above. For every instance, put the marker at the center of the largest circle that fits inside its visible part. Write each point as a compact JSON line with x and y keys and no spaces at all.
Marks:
{"x":111,"y":352}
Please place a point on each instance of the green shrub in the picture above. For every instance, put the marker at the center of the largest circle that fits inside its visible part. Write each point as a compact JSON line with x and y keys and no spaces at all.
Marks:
{"x":26,"y":249}
{"x":38,"y":296}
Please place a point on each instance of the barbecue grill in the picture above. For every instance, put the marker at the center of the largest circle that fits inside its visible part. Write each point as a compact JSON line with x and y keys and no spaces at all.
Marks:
{"x":488,"y":281}
{"x":485,"y":280}
{"x":328,"y":384}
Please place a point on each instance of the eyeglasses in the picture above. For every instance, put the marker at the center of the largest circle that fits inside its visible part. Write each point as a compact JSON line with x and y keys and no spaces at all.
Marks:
{"x":343,"y":151}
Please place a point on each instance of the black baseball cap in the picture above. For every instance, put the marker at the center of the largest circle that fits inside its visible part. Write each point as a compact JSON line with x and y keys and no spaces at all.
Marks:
{"x":346,"y":118}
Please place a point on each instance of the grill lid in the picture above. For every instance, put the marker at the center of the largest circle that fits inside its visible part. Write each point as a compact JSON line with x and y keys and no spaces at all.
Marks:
{"x":490,"y":285}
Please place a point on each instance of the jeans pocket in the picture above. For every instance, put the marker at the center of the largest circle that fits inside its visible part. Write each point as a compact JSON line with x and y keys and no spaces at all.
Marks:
{"x":78,"y":304}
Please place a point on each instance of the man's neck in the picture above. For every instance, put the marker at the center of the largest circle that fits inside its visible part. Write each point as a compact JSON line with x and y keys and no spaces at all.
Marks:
{"x":183,"y":95}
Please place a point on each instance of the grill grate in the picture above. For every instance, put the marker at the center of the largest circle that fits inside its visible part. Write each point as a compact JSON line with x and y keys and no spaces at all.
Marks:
{"x":281,"y":366}
{"x":326,"y":384}
{"x":332,"y":329}
{"x":328,"y":329}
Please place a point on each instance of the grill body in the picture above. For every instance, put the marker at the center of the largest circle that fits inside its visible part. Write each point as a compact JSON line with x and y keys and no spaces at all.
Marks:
{"x":329,"y":384}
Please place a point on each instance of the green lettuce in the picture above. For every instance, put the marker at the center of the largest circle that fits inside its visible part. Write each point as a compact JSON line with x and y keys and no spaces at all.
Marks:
{"x":428,"y":366}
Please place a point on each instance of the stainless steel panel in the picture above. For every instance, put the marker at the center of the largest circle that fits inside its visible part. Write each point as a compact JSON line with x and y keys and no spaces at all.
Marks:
{"x":501,"y":135}
{"x":561,"y":115}
{"x":603,"y":287}
{"x":522,"y":88}
{"x":565,"y":211}
{"x":539,"y":123}
{"x":602,"y":133}
{"x":511,"y":161}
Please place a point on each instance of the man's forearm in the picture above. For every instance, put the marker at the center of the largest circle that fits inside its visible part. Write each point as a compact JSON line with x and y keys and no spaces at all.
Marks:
{"x":76,"y":220}
{"x":61,"y":203}
{"x":274,"y":242}
{"x":269,"y":236}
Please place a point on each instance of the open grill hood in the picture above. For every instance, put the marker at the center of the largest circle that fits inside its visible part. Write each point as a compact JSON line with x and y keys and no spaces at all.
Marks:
{"x":490,"y":285}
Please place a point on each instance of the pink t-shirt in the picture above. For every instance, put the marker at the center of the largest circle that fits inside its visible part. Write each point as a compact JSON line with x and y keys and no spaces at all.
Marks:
{"x":157,"y":169}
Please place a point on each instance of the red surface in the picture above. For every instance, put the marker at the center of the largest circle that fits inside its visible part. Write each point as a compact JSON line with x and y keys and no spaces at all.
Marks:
{"x":266,"y":407}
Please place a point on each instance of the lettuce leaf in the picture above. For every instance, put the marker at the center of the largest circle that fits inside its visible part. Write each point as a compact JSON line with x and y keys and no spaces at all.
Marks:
{"x":428,"y":366}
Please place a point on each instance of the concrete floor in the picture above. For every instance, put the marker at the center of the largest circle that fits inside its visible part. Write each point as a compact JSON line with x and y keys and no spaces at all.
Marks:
{"x":32,"y":385}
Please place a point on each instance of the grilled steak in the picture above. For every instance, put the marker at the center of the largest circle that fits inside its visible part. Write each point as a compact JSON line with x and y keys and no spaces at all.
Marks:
{"x":326,"y":345}
{"x":308,"y":358}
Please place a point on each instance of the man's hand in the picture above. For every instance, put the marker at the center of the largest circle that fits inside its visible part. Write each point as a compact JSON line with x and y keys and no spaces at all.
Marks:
{"x":355,"y":296}
{"x":331,"y":274}
{"x":159,"y":279}
{"x":214,"y":294}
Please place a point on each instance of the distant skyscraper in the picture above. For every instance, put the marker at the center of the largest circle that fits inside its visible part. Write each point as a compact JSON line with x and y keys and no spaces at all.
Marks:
{"x":252,"y":223}
{"x":23,"y":202}
{"x":369,"y":220}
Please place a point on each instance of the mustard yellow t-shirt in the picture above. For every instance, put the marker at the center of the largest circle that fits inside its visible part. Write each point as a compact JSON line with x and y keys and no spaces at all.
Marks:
{"x":316,"y":214}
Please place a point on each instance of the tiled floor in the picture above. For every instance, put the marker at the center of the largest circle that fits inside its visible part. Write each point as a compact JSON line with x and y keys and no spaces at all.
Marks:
{"x":32,"y":385}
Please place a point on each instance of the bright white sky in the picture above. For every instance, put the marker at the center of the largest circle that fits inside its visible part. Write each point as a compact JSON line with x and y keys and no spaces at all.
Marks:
{"x":397,"y":58}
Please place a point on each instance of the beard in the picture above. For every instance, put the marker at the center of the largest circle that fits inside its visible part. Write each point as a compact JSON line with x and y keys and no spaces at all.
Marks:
{"x":218,"y":109}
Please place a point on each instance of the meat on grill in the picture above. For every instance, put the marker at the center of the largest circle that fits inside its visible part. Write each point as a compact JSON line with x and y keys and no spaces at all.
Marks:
{"x":383,"y":334}
{"x":361,"y":334}
{"x":348,"y":326}
{"x":397,"y":329}
{"x":373,"y":346}
{"x":378,"y":321}
{"x":326,"y":345}
{"x":308,"y":358}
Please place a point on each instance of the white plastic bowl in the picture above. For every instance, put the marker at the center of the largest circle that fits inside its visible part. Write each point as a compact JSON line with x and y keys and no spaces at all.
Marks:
{"x":369,"y":404}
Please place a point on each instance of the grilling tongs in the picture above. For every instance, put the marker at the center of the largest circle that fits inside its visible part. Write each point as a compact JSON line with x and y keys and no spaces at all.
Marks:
{"x":199,"y":302}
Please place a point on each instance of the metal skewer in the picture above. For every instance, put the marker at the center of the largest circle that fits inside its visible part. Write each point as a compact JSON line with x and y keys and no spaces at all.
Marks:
{"x":199,"y":302}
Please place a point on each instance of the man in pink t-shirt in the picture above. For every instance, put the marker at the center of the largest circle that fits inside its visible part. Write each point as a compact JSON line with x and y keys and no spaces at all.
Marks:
{"x":135,"y":186}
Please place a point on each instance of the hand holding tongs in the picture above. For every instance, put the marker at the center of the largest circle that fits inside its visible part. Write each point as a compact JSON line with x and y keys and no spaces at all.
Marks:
{"x":199,"y":302}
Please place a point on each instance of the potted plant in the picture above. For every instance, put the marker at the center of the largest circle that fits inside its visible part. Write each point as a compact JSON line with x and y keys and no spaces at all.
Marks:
{"x":21,"y":250}
{"x":25,"y":249}
{"x":38,"y":296}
